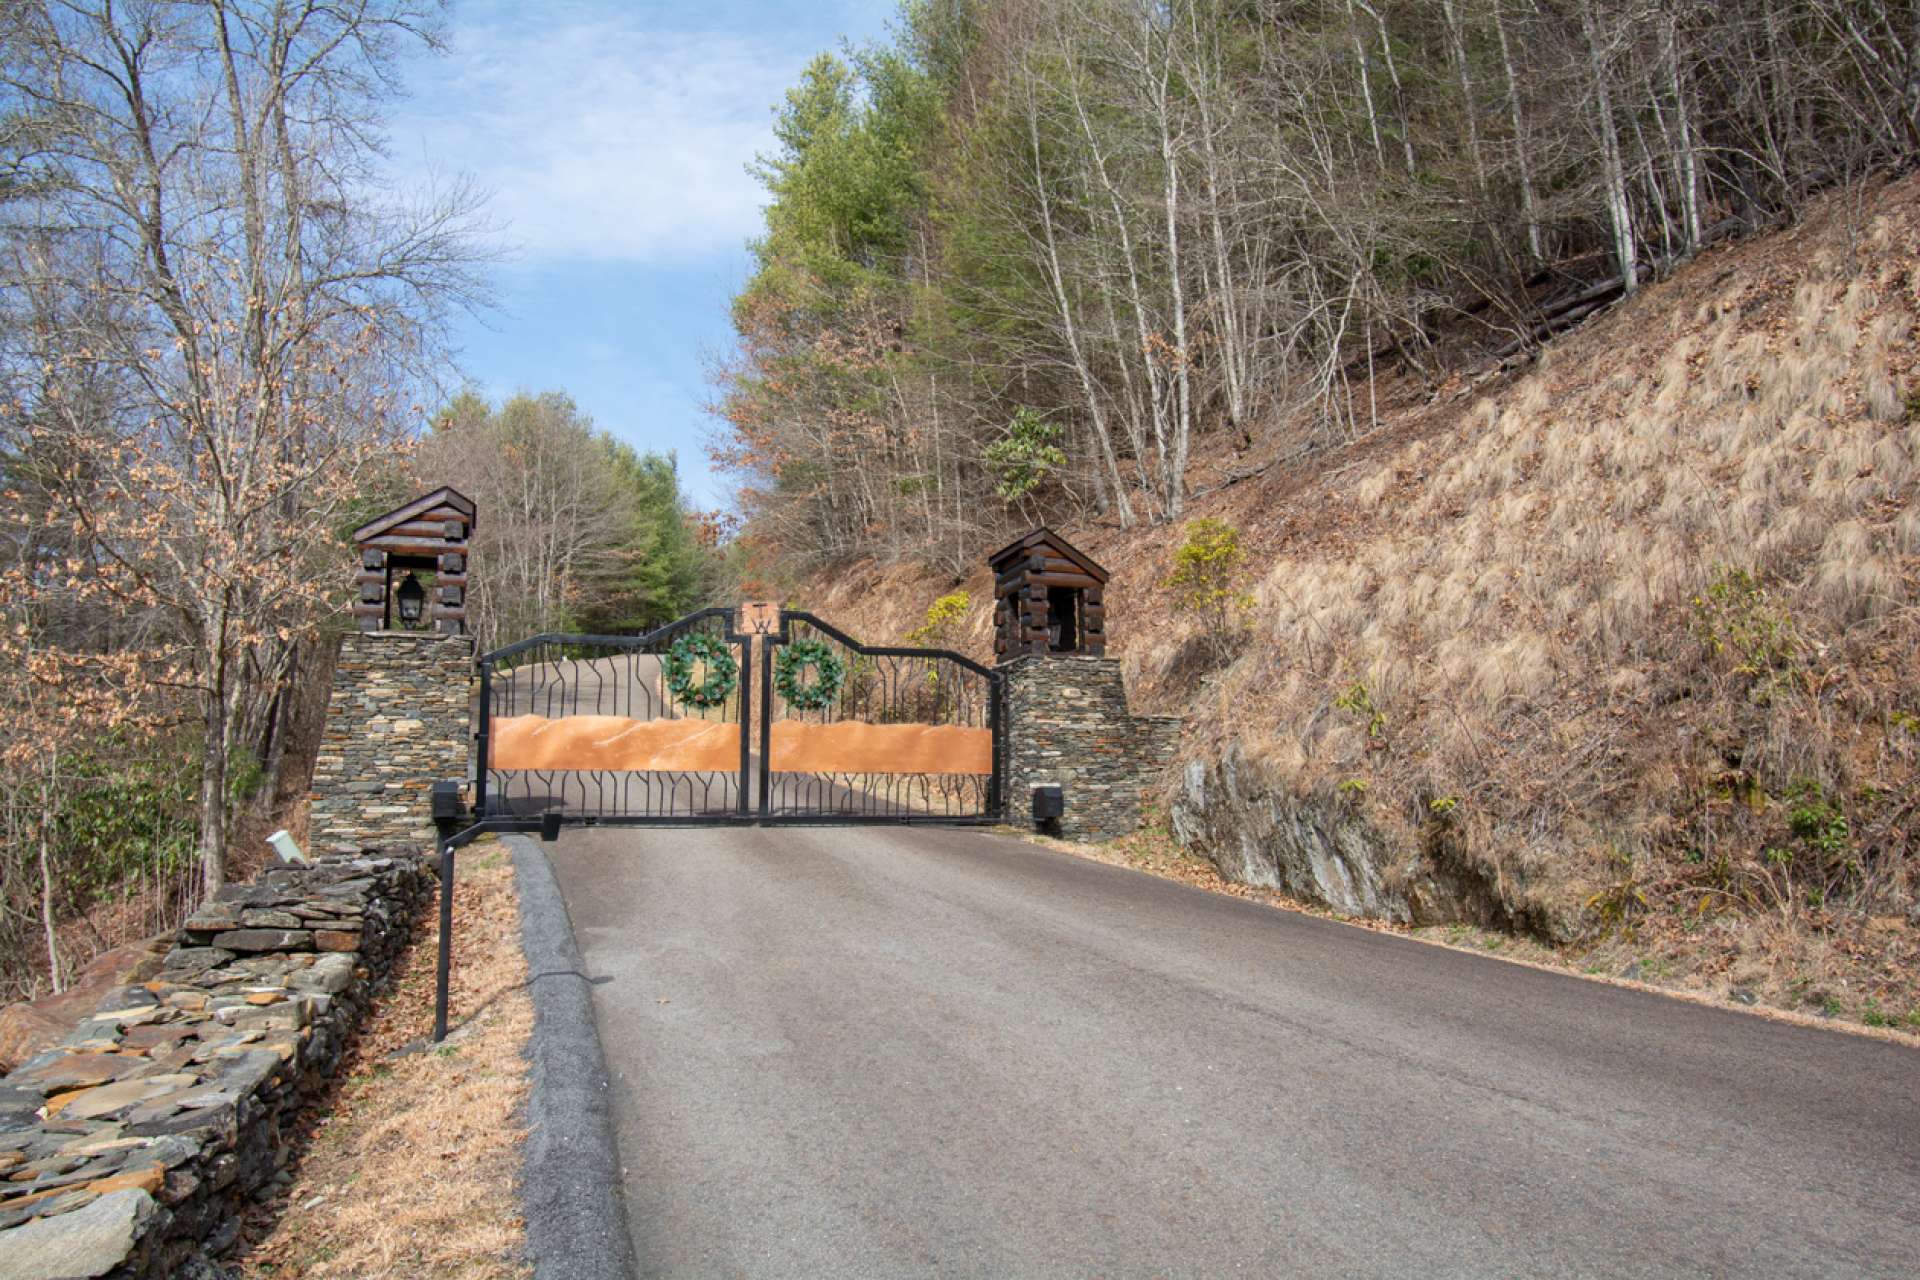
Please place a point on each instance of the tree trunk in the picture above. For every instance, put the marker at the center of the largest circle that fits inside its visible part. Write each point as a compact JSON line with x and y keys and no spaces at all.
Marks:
{"x":1393,"y":74}
{"x":213,"y":772}
{"x":1684,"y":149}
{"x":1529,"y":209}
{"x":1457,"y":48}
{"x":1144,"y":349}
{"x":1069,"y":329}
{"x":1614,"y":172}
{"x":1366,"y":84}
{"x":47,"y":922}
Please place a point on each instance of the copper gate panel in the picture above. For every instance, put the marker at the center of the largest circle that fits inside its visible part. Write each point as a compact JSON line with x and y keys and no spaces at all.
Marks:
{"x":615,"y":743}
{"x":854,"y":746}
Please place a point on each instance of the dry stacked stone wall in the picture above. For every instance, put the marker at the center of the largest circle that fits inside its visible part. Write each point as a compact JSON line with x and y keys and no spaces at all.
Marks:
{"x":130,"y":1150}
{"x":1068,"y":723}
{"x":397,"y":722}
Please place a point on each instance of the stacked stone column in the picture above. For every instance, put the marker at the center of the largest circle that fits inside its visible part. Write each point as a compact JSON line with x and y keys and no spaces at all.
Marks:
{"x":1068,"y":724}
{"x":398,"y":721}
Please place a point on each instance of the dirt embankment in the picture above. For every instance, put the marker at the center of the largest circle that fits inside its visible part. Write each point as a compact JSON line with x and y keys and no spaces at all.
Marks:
{"x":1615,"y":651}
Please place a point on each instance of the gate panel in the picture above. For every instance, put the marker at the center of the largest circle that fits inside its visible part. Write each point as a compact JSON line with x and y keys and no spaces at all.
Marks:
{"x":591,"y":726}
{"x":855,"y":732}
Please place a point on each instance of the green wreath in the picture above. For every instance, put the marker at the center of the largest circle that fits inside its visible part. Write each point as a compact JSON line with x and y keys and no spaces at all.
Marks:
{"x":790,"y":662}
{"x":723,"y":671}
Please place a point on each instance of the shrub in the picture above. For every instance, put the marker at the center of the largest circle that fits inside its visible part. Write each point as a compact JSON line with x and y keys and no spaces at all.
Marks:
{"x":944,"y":617}
{"x":127,"y":815}
{"x":1206,"y":572}
{"x":1023,"y":458}
{"x":1738,"y":623}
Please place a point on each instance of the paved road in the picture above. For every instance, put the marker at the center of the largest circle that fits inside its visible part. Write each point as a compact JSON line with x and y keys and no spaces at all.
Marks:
{"x":876,"y":1052}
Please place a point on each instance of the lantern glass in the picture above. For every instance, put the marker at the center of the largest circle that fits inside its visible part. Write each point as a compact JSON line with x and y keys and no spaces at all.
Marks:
{"x":413,"y":600}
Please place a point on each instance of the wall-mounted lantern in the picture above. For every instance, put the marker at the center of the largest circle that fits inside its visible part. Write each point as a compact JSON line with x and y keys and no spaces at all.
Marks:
{"x":412,"y":599}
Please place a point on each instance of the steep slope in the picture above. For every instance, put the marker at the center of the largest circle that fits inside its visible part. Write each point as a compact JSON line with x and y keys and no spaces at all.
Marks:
{"x":1620,"y":648}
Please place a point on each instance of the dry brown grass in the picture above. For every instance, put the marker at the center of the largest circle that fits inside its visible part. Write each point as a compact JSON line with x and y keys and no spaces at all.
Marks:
{"x":1637,"y":613}
{"x":410,"y":1166}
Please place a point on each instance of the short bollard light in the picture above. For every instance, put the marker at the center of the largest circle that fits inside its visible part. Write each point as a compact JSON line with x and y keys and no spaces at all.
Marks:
{"x":289,"y":851}
{"x":449,"y":813}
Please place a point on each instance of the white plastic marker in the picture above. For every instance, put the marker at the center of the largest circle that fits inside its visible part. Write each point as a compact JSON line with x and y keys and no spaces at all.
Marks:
{"x":289,"y":851}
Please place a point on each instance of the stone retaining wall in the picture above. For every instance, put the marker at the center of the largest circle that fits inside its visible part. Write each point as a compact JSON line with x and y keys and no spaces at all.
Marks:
{"x":397,"y":722}
{"x":1068,"y":723}
{"x":130,"y":1150}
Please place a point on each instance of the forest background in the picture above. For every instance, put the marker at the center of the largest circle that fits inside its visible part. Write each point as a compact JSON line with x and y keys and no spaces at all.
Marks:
{"x":222,"y":332}
{"x":1499,"y":417}
{"x":1030,"y":260}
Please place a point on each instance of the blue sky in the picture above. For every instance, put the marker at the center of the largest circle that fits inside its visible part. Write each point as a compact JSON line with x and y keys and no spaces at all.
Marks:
{"x":614,"y":138}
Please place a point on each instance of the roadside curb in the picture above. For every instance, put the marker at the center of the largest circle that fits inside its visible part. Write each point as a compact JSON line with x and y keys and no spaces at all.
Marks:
{"x":570,"y":1172}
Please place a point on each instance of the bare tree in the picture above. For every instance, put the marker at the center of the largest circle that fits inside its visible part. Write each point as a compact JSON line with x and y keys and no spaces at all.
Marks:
{"x":206,"y":170}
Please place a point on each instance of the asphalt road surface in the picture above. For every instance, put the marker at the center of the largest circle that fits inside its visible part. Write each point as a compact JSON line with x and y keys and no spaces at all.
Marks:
{"x":887,"y":1052}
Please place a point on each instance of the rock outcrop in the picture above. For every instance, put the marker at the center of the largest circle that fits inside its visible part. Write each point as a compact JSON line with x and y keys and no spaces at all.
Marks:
{"x":1322,"y":848}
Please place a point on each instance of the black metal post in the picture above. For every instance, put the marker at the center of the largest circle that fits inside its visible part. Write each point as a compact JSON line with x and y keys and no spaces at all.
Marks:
{"x":747,"y":647}
{"x":481,"y":739}
{"x":548,"y":825}
{"x":766,"y":721}
{"x":997,"y":720}
{"x":445,"y":964}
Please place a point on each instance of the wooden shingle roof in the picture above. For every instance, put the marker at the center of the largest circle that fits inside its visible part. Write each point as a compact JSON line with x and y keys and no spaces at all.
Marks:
{"x":1023,"y":547}
{"x":444,"y":503}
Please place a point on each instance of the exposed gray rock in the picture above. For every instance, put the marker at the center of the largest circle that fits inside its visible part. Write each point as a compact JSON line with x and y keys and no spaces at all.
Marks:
{"x":1313,"y":849}
{"x":1320,"y":847}
{"x":189,"y":960}
{"x":331,"y":973}
{"x":214,"y":917}
{"x":264,"y":919}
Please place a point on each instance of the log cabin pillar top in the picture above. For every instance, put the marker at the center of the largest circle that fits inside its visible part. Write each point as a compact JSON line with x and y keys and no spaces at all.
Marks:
{"x":1049,"y":597}
{"x":425,"y":536}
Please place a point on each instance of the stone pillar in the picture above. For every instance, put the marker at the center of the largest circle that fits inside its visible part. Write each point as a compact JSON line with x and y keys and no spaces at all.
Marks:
{"x":398,"y":721}
{"x":1068,"y":724}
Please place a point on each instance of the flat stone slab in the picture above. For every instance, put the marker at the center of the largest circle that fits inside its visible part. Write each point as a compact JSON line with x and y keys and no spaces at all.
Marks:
{"x":78,"y":1070}
{"x":88,"y":1242}
{"x":109,"y":1098}
{"x":330,"y":974}
{"x":264,"y":940}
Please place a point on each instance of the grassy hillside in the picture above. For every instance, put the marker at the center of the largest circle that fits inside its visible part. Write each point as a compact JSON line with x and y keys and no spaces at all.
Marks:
{"x":1618,"y":650}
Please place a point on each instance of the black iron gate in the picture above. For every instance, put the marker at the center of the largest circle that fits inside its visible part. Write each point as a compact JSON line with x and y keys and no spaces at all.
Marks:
{"x":661,"y":728}
{"x":854,"y":732}
{"x":588,"y":726}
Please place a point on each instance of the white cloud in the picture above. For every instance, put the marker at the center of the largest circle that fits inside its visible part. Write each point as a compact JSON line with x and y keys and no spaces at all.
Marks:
{"x":602,"y":135}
